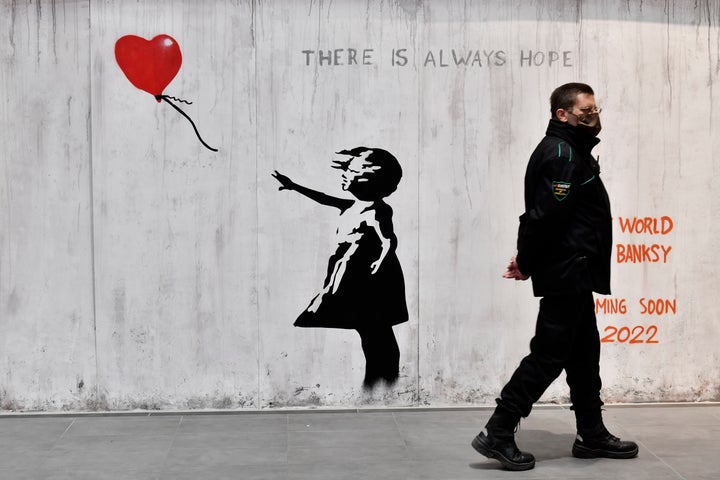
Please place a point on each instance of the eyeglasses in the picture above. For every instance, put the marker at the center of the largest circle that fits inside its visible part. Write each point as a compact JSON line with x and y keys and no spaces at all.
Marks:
{"x":589,"y":110}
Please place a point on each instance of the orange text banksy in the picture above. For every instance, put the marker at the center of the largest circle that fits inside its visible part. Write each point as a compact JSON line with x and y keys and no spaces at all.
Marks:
{"x":644,"y":252}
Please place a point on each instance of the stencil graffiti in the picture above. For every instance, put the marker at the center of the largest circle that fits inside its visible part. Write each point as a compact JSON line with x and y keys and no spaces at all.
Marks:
{"x":364,"y":288}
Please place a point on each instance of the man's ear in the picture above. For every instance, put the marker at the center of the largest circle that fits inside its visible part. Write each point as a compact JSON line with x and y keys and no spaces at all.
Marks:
{"x":561,"y":114}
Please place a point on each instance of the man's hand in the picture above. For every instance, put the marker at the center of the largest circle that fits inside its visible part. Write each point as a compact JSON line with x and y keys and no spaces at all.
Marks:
{"x":513,"y":271}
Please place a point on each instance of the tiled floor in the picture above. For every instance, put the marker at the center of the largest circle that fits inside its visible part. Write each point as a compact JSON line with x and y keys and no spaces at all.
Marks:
{"x":676,"y":442}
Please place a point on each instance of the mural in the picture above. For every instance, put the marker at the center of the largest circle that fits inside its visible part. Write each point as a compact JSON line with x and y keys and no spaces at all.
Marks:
{"x":137,"y":271}
{"x":364,"y":288}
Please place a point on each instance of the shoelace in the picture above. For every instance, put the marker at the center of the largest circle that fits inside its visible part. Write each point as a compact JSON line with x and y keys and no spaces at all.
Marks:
{"x":517,"y":427}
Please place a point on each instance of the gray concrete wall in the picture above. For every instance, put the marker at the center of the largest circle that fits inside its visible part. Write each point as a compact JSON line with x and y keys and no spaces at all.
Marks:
{"x":140,"y":270}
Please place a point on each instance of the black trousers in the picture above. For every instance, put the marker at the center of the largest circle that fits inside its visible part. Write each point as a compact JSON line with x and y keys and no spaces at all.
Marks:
{"x":566,"y":338}
{"x":382,"y":354}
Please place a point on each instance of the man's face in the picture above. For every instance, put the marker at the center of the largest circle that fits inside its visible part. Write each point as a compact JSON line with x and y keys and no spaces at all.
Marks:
{"x":584,"y":104}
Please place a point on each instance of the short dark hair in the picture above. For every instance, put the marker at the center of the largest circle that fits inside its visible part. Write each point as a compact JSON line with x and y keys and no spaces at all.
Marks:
{"x":564,"y":96}
{"x":382,"y":172}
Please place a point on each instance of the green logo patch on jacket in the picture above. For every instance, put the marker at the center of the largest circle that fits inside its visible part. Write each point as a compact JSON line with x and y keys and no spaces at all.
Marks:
{"x":560,"y":190}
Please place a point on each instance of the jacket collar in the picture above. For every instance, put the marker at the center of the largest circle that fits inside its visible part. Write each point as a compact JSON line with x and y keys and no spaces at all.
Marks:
{"x":570,"y":134}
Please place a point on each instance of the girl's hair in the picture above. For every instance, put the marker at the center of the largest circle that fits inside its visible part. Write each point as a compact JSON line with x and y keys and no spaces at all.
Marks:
{"x":381,"y":172}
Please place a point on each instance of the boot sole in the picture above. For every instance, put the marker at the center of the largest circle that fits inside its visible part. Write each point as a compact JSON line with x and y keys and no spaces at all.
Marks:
{"x":580,"y":451}
{"x":488,"y":452}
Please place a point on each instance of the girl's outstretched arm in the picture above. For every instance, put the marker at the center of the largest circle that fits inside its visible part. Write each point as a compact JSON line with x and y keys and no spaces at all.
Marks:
{"x":320,"y":197}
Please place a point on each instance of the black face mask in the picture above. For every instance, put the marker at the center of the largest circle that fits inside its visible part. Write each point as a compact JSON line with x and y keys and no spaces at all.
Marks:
{"x":589,"y":124}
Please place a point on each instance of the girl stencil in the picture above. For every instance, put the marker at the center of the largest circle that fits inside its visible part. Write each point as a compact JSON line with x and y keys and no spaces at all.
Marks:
{"x":364,"y":288}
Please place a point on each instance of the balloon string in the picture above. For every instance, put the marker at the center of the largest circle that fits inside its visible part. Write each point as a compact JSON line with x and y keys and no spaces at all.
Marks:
{"x":176,"y":99}
{"x":167,"y":99}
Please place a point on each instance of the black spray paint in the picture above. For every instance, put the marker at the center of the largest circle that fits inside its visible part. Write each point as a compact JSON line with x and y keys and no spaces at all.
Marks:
{"x":364,"y":288}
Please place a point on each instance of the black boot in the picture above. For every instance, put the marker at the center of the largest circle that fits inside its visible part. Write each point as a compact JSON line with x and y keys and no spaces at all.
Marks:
{"x":498,"y":441}
{"x":598,"y":442}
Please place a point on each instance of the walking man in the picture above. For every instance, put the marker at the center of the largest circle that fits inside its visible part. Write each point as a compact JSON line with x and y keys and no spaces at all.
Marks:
{"x":564,"y":245}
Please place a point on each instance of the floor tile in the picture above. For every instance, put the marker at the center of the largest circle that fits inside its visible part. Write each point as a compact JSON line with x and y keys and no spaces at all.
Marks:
{"x":209,"y":457}
{"x":368,"y":454}
{"x":661,"y":415}
{"x":431,"y":419}
{"x":394,"y":470}
{"x":85,"y":474}
{"x":234,"y":423}
{"x":239,"y":439}
{"x":225,"y":472}
{"x":130,"y":425}
{"x":116,"y":453}
{"x":350,"y":438}
{"x":28,"y":425}
{"x":340,"y":421}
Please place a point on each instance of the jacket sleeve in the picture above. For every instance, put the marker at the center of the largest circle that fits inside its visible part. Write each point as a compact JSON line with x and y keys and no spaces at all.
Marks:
{"x":553,"y":187}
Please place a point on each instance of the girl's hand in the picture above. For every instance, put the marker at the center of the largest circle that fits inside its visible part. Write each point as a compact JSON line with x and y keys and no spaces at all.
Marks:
{"x":285,"y":182}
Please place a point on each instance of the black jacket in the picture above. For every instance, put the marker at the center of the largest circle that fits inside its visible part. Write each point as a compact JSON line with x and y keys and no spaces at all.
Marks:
{"x":565,"y":235}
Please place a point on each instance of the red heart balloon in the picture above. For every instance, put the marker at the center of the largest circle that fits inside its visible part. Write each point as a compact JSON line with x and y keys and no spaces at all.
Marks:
{"x":150,"y":65}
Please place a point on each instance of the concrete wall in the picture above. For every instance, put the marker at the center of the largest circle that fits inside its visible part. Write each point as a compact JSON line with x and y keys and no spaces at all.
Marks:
{"x":140,"y":270}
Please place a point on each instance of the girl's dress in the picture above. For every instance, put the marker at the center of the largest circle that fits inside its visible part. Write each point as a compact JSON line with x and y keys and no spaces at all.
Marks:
{"x":352,"y":296}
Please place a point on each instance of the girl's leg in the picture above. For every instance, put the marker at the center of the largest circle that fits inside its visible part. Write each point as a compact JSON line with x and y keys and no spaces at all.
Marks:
{"x":382,"y":355}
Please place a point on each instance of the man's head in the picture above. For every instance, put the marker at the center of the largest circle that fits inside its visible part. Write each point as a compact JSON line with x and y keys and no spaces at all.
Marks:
{"x":574,"y":103}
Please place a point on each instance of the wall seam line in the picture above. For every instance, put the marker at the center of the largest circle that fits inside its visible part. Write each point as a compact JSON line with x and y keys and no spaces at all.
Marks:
{"x":93,"y":262}
{"x":420,"y":12}
{"x":257,"y":206}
